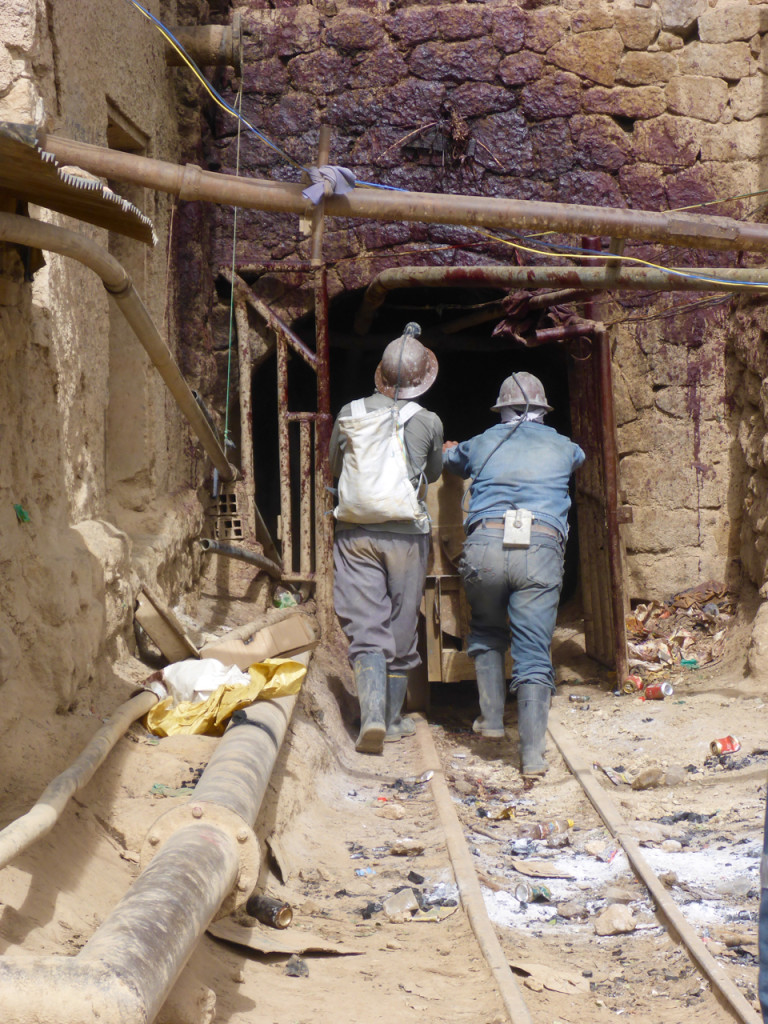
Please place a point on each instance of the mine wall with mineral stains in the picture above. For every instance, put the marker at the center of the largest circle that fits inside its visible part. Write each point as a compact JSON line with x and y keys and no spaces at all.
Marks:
{"x":95,"y":453}
{"x":642,"y":105}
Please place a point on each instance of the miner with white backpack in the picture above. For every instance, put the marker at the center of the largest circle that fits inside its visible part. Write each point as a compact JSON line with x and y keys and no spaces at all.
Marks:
{"x":385,"y":449}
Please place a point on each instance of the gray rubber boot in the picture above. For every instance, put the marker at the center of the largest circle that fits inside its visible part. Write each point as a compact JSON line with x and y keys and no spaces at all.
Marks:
{"x":492,"y":691}
{"x":371,"y":680}
{"x":397,"y":726}
{"x":532,"y":715}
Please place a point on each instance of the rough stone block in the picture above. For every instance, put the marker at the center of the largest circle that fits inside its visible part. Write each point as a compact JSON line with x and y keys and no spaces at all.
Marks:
{"x":413,"y":25}
{"x":357,"y":108}
{"x":544,"y":28}
{"x":456,"y":23}
{"x":381,"y":67}
{"x":668,"y":42}
{"x":640,"y":103}
{"x":749,"y":98}
{"x":638,"y":28}
{"x":553,"y":152}
{"x":638,"y":68}
{"x":519,"y":68}
{"x":508,"y":29}
{"x":6,"y":70}
{"x":17,"y":18}
{"x":679,"y":15}
{"x":354,"y":30}
{"x":20,"y":103}
{"x":476,"y":60}
{"x":591,"y":18}
{"x":595,"y":188}
{"x":736,"y":141}
{"x":475,"y":99}
{"x":593,"y":55}
{"x":282,"y":33}
{"x":643,"y":186}
{"x":508,"y":136}
{"x":720,"y":60}
{"x":599,"y":141}
{"x":324,"y":71}
{"x":655,"y":529}
{"x":555,"y":95}
{"x":667,"y":141}
{"x":735,"y":21}
{"x":265,"y":77}
{"x":707,"y":181}
{"x":703,"y":98}
{"x":413,"y":102}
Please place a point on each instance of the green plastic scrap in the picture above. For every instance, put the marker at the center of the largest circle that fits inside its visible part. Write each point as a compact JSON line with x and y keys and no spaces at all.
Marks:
{"x":690,"y":662}
{"x":22,"y":516}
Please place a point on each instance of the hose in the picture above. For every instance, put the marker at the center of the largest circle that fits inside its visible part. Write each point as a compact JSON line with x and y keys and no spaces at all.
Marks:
{"x":242,"y":554}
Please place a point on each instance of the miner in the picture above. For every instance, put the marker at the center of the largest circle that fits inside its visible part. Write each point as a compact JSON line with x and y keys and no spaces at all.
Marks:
{"x":512,"y":561}
{"x":384,"y":449}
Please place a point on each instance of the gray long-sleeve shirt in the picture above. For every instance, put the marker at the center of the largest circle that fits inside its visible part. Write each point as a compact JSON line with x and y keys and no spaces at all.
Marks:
{"x":423,"y":437}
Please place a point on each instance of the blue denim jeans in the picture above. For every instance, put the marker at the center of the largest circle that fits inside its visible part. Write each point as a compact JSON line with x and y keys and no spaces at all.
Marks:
{"x":513,"y":595}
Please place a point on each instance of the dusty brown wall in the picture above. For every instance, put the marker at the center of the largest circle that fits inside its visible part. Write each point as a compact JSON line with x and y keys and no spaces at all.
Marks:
{"x":647,"y":105}
{"x":94,"y":449}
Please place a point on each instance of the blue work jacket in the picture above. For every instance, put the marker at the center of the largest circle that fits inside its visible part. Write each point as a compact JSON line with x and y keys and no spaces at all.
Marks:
{"x":530,"y":468}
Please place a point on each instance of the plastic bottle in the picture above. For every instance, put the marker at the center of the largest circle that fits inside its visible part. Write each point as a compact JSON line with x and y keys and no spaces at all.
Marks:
{"x":545,"y":828}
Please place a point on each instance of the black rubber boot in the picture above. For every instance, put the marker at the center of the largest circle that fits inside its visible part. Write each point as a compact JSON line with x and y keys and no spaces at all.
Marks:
{"x":492,"y":691}
{"x":532,"y":715}
{"x":371,"y":680}
{"x":397,"y":726}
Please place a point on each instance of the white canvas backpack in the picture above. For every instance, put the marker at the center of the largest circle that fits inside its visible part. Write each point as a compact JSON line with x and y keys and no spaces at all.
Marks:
{"x":374,"y":486}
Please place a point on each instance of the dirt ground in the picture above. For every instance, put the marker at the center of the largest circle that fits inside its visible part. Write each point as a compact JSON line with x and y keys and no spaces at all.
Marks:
{"x":343,"y":832}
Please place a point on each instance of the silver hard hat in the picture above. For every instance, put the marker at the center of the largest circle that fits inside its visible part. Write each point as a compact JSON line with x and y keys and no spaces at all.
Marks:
{"x":407,"y":367}
{"x":519,"y":390}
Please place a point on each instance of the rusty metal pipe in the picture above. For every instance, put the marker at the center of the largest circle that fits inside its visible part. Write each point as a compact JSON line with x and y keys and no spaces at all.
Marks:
{"x":688,"y":230}
{"x":208,"y":45}
{"x":580,"y":278}
{"x":40,"y":819}
{"x":117,"y":281}
{"x":564,"y":333}
{"x":252,"y":557}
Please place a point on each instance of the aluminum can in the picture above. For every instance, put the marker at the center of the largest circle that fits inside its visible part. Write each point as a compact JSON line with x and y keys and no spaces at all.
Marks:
{"x":658,"y":691}
{"x":579,"y":698}
{"x":526,"y":893}
{"x":726,"y":745}
{"x":632,"y":684}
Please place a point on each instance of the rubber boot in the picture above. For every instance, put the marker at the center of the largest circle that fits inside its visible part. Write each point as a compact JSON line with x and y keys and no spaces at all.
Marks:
{"x":371,"y":680}
{"x":532,"y":714}
{"x":492,"y":691}
{"x":397,"y":726}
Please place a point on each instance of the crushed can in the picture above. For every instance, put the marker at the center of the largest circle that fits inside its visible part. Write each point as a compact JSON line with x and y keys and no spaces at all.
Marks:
{"x":726,"y":745}
{"x":632,"y":684}
{"x":579,"y":698}
{"x":526,"y":893}
{"x":658,"y":691}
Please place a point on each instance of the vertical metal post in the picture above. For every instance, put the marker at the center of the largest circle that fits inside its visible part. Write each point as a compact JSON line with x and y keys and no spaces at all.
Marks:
{"x":305,"y":496}
{"x":284,"y":449}
{"x":323,"y":479}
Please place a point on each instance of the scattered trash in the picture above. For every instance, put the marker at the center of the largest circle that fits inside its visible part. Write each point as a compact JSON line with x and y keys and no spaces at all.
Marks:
{"x":22,"y":516}
{"x":268,"y":910}
{"x":360,"y":872}
{"x":689,"y":662}
{"x":658,"y":691}
{"x":691,"y":816}
{"x":540,"y":869}
{"x":369,"y":909}
{"x":525,"y":893}
{"x":579,"y":698}
{"x":504,"y":813}
{"x":401,"y":905}
{"x":415,"y":878}
{"x":616,"y":777}
{"x":546,"y":828}
{"x":284,"y":598}
{"x":406,"y":848}
{"x":632,"y":684}
{"x":296,"y":967}
{"x":726,"y":745}
{"x":356,"y":851}
{"x":615,"y":920}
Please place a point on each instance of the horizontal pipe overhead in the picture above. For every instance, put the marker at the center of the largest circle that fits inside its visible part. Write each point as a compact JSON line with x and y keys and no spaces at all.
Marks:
{"x":190,"y":182}
{"x":581,"y":278}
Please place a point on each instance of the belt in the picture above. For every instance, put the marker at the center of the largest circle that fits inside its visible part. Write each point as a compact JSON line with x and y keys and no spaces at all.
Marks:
{"x":498,"y":524}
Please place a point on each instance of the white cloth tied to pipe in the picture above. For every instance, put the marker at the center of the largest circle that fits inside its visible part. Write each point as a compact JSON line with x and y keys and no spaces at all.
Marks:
{"x":341,"y":179}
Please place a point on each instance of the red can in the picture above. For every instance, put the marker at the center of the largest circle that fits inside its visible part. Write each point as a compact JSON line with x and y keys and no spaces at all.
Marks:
{"x":658,"y":691}
{"x":727,"y":745}
{"x":632,"y":684}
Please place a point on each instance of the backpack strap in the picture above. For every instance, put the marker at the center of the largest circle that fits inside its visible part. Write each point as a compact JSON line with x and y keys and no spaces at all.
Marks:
{"x":408,"y":411}
{"x":357,"y":407}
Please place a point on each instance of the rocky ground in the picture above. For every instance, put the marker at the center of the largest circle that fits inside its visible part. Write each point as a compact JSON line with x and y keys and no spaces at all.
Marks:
{"x":356,"y":846}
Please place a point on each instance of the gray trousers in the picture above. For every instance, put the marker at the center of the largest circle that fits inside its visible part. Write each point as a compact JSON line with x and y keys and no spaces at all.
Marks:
{"x":377,"y":589}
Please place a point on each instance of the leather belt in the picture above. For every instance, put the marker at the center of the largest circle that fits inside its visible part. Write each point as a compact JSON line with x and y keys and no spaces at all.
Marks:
{"x":498,"y":524}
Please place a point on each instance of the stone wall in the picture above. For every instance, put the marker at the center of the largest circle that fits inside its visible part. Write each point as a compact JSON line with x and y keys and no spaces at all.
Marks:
{"x":78,"y":398}
{"x":630,"y":104}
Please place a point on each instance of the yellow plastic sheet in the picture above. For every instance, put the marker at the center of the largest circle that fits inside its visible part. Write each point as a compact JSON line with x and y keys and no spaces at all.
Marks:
{"x":274,"y":677}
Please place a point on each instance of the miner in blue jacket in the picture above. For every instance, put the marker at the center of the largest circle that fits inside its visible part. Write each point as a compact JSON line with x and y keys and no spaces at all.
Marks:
{"x":517,"y":466}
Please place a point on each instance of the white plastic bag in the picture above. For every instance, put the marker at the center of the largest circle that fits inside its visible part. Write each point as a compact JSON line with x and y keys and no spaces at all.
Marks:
{"x":195,"y":680}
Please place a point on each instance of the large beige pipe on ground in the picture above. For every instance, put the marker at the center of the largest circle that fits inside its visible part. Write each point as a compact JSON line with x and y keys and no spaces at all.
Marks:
{"x":689,"y":230}
{"x":38,"y":235}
